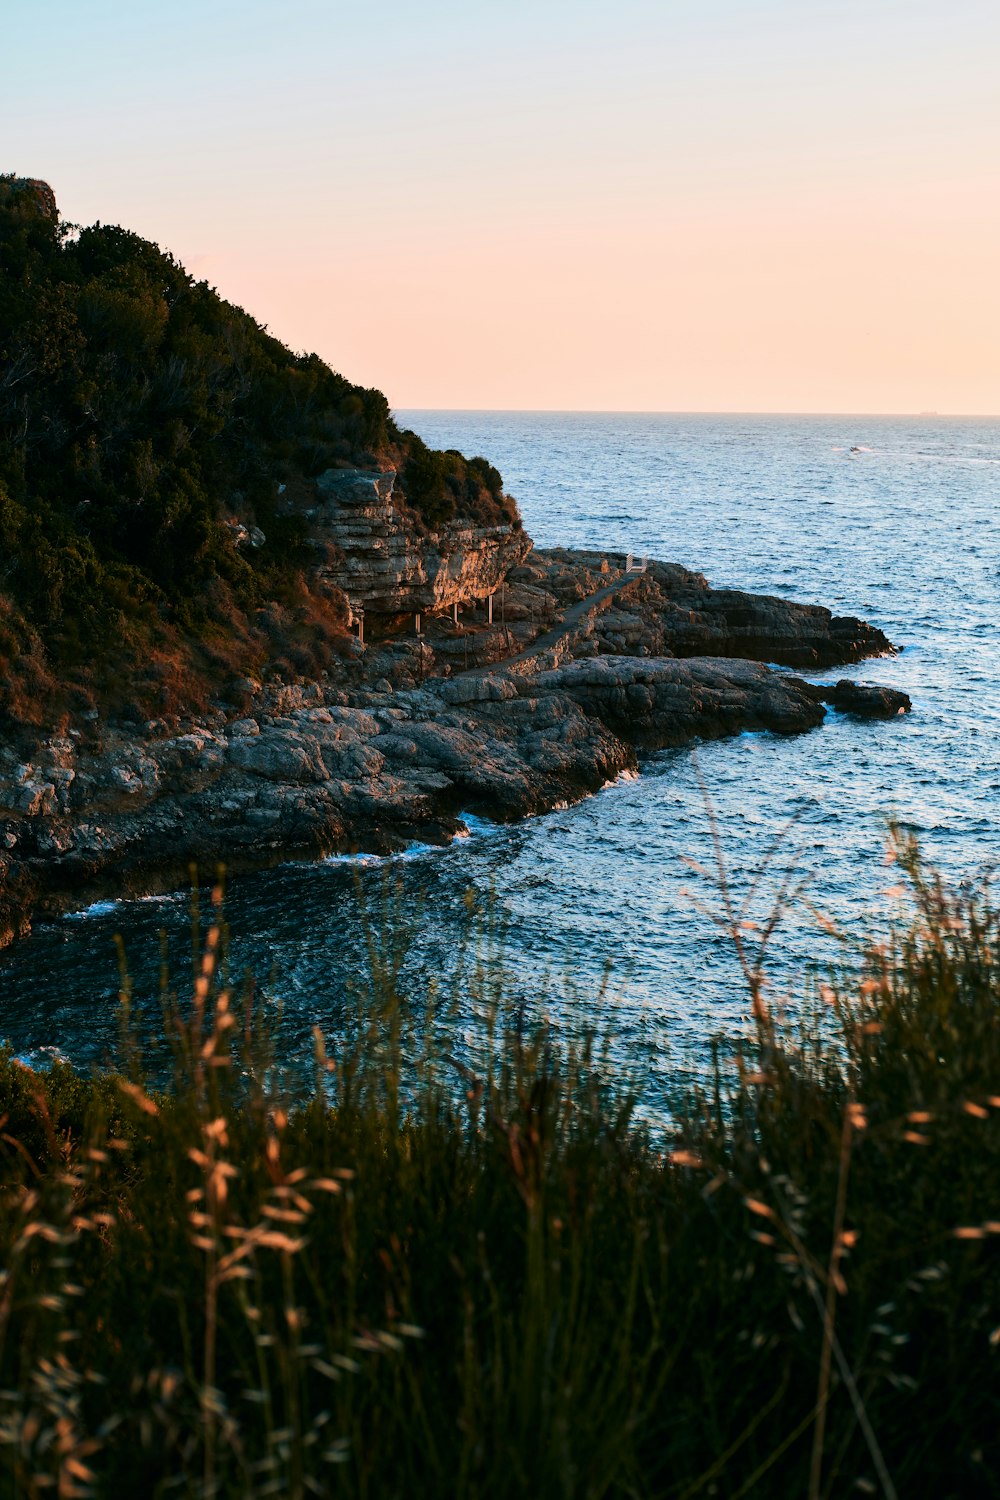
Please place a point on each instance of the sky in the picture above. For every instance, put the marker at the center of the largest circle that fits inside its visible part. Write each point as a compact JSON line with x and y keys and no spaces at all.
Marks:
{"x":689,"y":205}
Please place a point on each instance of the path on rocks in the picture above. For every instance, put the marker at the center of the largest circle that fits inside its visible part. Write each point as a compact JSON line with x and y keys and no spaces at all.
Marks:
{"x":571,"y":618}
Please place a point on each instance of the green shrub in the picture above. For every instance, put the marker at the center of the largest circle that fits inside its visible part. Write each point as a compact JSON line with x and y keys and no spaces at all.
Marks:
{"x":445,"y":486}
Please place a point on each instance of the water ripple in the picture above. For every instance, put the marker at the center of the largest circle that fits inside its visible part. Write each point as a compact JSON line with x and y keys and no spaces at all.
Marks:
{"x":902,"y":530}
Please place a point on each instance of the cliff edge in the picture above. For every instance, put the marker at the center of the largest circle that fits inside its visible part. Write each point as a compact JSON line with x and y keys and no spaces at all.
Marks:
{"x":244,"y":615}
{"x":185,"y":502}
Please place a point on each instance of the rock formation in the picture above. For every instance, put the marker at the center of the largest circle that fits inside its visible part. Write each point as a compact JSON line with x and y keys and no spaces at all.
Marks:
{"x":865,"y":700}
{"x":585,"y":663}
{"x":375,"y":756}
{"x":32,"y":189}
{"x":385,"y":563}
{"x":670,"y":611}
{"x":318,"y":773}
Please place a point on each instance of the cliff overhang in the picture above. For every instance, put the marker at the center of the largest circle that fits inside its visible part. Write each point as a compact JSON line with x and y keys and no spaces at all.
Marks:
{"x":388,"y":564}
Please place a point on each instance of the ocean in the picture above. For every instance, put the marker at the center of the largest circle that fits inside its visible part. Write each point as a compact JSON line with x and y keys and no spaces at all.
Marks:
{"x":610,"y":909}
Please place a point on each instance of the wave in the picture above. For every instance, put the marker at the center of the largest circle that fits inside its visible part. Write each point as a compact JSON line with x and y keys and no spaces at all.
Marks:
{"x":95,"y":909}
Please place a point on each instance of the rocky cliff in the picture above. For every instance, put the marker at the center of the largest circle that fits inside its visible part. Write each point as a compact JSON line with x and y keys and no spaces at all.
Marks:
{"x":18,"y":192}
{"x":185,"y":505}
{"x":387,"y":563}
{"x":594,"y":668}
{"x":184,"y":501}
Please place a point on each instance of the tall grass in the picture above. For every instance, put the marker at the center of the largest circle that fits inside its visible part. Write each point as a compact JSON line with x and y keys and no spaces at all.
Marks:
{"x":481,"y":1277}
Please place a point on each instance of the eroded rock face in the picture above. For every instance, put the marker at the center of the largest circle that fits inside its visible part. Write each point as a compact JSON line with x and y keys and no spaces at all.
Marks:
{"x":385,"y":565}
{"x":319,"y":766}
{"x":36,"y":190}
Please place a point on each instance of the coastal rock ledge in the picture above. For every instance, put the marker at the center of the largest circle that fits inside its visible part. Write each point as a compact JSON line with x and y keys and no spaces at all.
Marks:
{"x":591,"y":667}
{"x":383,"y":562}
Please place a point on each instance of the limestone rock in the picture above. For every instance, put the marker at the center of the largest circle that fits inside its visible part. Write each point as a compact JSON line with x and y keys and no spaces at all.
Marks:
{"x":385,"y":564}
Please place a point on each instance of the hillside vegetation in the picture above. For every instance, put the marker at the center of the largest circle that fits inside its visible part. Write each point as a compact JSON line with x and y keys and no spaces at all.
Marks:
{"x":143,"y":421}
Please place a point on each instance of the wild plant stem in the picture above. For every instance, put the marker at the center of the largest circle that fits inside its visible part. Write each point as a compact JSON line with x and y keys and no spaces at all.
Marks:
{"x":830,"y":1310}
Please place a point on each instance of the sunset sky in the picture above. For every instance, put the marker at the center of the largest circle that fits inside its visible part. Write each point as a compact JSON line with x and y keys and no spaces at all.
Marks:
{"x":559,"y":204}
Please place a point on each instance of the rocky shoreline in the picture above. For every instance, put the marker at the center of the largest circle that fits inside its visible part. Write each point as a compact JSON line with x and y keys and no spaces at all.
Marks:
{"x":582,"y":668}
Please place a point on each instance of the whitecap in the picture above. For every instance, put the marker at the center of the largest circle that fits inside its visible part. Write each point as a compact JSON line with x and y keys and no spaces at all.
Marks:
{"x":623,"y":776}
{"x":95,"y":909}
{"x":471,"y":824}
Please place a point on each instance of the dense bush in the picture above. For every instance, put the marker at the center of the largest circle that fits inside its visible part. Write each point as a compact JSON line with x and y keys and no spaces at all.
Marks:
{"x":140,"y":415}
{"x":445,"y":485}
{"x":478,"y":1276}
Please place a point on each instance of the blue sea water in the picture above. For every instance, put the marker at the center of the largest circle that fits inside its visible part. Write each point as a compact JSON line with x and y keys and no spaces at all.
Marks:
{"x":893,"y":519}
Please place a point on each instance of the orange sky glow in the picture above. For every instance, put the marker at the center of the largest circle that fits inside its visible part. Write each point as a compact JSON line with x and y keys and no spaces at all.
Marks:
{"x":680,"y":206}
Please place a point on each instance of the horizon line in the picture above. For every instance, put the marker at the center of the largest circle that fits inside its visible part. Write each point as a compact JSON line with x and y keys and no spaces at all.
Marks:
{"x":629,"y":411}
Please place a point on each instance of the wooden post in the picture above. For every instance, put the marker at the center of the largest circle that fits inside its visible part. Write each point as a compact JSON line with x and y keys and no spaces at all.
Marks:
{"x":454,"y":611}
{"x":416,"y":624}
{"x":360,"y":616}
{"x":489,"y":605}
